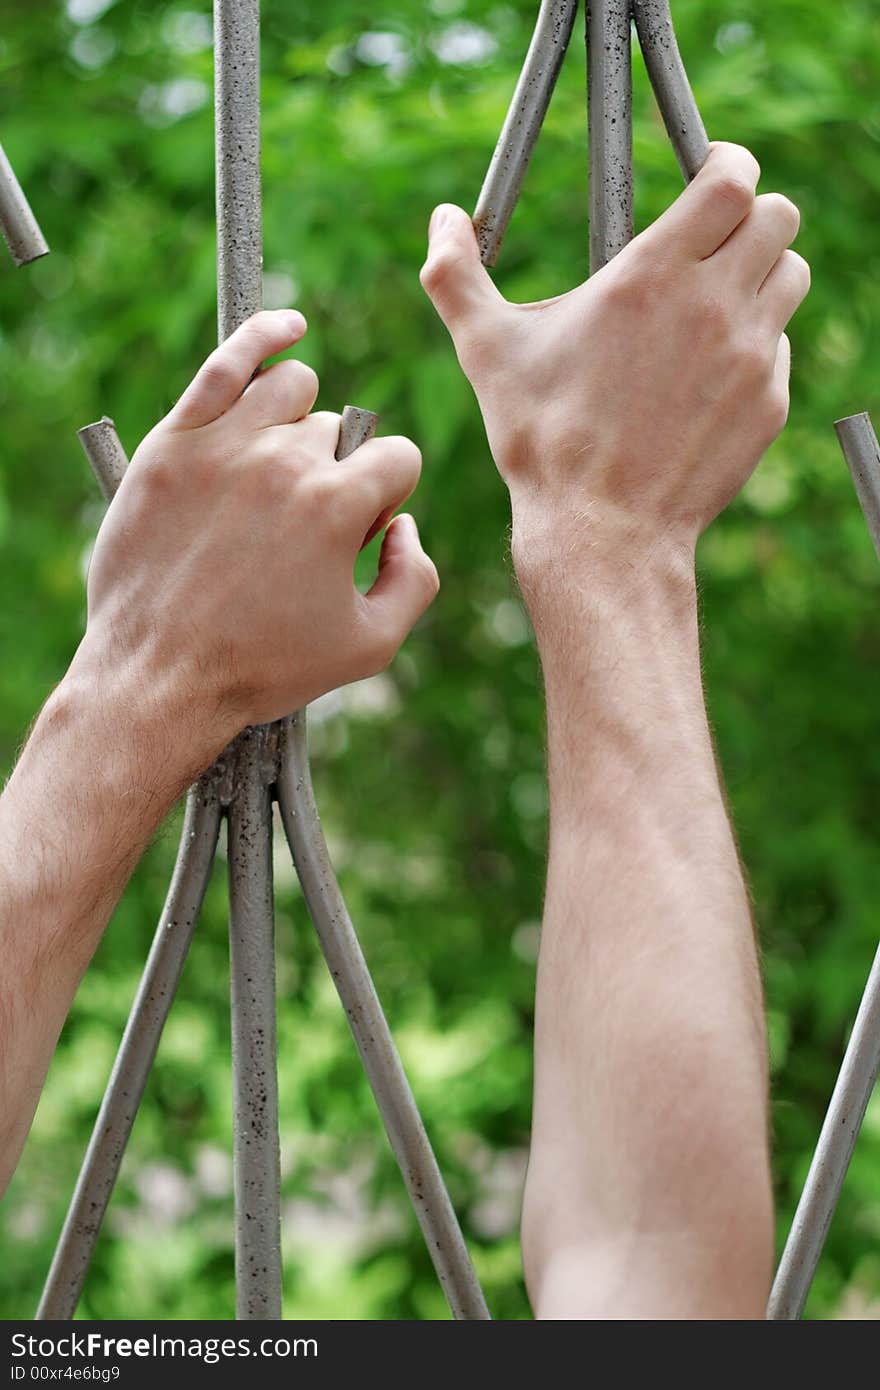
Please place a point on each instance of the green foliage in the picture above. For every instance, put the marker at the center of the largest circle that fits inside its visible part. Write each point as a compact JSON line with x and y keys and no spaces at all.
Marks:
{"x":430,"y":779}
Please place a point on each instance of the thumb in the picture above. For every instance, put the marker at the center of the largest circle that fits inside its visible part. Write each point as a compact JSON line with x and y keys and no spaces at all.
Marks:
{"x":406,"y":585}
{"x":453,"y":276}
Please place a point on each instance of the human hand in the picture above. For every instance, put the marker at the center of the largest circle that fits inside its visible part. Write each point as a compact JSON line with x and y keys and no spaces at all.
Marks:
{"x":637,"y":405}
{"x":222,"y":577}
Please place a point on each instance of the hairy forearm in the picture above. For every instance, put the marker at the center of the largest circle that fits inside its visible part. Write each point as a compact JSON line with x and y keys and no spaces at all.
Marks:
{"x":650,"y":1071}
{"x":102,"y":766}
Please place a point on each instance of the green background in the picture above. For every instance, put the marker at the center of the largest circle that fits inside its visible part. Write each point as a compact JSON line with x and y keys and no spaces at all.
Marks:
{"x":430,"y":778}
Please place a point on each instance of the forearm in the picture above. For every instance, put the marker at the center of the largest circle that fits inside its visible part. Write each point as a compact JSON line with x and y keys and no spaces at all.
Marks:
{"x":104,"y":763}
{"x":650,"y":1071}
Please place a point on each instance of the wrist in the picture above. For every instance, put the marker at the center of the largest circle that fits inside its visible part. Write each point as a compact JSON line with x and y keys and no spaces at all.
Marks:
{"x":144,"y":711}
{"x":596,"y":558}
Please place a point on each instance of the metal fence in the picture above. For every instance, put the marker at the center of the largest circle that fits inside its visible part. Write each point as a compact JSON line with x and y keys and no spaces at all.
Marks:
{"x":270,"y":763}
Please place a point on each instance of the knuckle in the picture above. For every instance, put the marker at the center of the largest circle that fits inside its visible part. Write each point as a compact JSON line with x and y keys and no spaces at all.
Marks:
{"x":753,"y":358}
{"x":406,"y":454}
{"x":438,"y":268}
{"x":800,"y":270}
{"x":782,"y":210}
{"x":639,"y":283}
{"x":303,"y":376}
{"x":734,"y":190}
{"x":319,"y":497}
{"x":218,"y":373}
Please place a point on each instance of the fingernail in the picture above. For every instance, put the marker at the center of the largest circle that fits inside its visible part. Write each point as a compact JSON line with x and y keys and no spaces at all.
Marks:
{"x":296,"y":322}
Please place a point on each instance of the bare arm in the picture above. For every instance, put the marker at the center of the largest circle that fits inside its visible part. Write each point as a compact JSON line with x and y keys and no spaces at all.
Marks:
{"x":624,"y":416}
{"x":221,"y":593}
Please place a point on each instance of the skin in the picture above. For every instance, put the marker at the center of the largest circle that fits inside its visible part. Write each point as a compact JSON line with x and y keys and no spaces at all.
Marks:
{"x":220,"y":594}
{"x":624,"y":416}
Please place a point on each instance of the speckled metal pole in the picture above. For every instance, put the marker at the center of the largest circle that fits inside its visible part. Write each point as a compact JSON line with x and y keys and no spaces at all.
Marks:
{"x":17,"y":223}
{"x":103,"y":449}
{"x":257,"y":1175}
{"x":831,"y":1159}
{"x":237,"y":149}
{"x":251,"y":915}
{"x":609,"y":100}
{"x":675,"y":99}
{"x":522,"y":125}
{"x":861,"y":1063}
{"x":137,"y":1050}
{"x":345,"y":961}
{"x":860,"y":449}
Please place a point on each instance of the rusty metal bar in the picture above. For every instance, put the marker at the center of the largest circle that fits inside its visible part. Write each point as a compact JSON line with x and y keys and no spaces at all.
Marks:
{"x":683,"y":122}
{"x":861,"y":1062}
{"x":137,"y":1050}
{"x":522,"y":125}
{"x":20,"y":229}
{"x":609,"y":102}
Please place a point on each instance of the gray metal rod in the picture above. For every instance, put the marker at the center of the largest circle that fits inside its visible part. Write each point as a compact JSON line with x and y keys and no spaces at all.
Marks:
{"x":831,"y":1159}
{"x":862,"y":453}
{"x":254,"y":1041}
{"x":862,"y":1059}
{"x":522,"y":125}
{"x":675,"y":99}
{"x":17,"y":223}
{"x":137,"y":1050}
{"x":251,"y":920}
{"x":609,"y":98}
{"x":103,"y":449}
{"x":346,"y":963}
{"x":237,"y":147}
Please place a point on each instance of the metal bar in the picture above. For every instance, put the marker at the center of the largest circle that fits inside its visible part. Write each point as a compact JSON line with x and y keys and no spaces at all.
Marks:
{"x":609,"y":98}
{"x":254,"y":1042}
{"x":251,"y":918}
{"x":862,"y":453}
{"x":861,"y":1062}
{"x":136,"y":1053}
{"x":103,"y":449}
{"x":675,"y":99}
{"x":355,"y":428}
{"x":237,"y":142}
{"x":17,"y":223}
{"x":346,"y":963}
{"x":522,"y":125}
{"x":831,"y":1159}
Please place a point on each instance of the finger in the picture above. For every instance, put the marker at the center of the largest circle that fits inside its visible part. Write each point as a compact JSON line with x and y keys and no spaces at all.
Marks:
{"x":759,"y":240}
{"x":380,"y":476}
{"x":222,"y":378}
{"x":283,"y":393}
{"x":406,"y":585}
{"x":781,"y":374}
{"x":785,"y":288}
{"x":453,"y":276}
{"x":320,"y":430}
{"x":713,"y":204}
